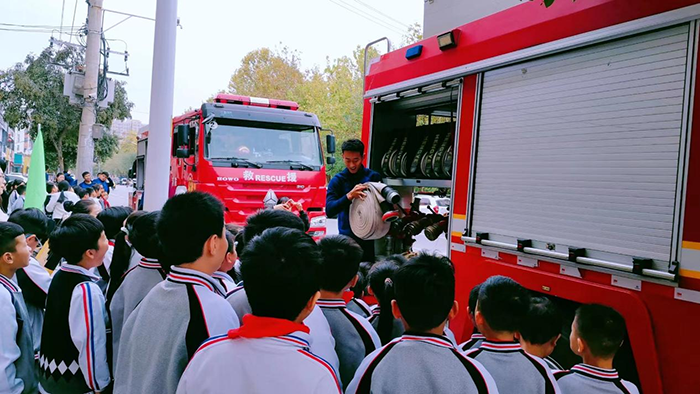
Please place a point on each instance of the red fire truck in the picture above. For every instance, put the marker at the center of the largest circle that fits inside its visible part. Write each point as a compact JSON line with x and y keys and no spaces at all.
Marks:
{"x":245,"y":150}
{"x":572,"y":163}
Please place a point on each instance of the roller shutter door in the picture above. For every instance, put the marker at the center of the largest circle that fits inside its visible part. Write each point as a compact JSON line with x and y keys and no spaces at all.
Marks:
{"x":582,"y":148}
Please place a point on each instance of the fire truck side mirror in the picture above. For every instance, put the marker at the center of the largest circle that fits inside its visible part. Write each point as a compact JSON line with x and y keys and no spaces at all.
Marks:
{"x":330,"y":160}
{"x":182,"y":134}
{"x":330,"y":144}
{"x":182,"y":153}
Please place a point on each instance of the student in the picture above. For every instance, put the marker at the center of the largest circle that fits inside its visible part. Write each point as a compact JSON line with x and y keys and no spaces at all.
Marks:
{"x":322,"y":342}
{"x":230,"y":258}
{"x":19,"y":201}
{"x":356,"y":303}
{"x":596,"y":335}
{"x":14,"y":195}
{"x":541,"y":329}
{"x":16,"y":347}
{"x":269,"y":353}
{"x":381,"y":286}
{"x":287,"y":204}
{"x":500,"y":310}
{"x":75,"y":325}
{"x":55,"y":206}
{"x":422,"y":360}
{"x":138,"y":281}
{"x":51,"y":188}
{"x":87,"y":180}
{"x":477,"y":338}
{"x":188,"y":307}
{"x":83,"y":193}
{"x":125,"y":256}
{"x":96,"y":195}
{"x":355,"y":338}
{"x":87,"y":207}
{"x":34,"y":279}
{"x":113,"y":221}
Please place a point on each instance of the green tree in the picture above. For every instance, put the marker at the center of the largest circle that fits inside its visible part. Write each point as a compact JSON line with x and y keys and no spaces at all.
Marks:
{"x":267,"y":73}
{"x":121,"y":162}
{"x":31,"y":93}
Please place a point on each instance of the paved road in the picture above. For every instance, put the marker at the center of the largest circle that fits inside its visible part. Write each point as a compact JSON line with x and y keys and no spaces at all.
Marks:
{"x":119,"y":196}
{"x":422,"y":243}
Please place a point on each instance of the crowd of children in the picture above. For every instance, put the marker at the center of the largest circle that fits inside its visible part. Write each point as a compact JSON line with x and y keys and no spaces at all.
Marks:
{"x":176,"y":301}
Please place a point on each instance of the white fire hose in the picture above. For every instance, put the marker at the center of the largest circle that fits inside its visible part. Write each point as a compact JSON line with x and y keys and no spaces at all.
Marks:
{"x":366,"y":215}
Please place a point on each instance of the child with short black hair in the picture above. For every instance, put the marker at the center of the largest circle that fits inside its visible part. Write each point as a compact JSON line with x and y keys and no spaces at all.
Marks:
{"x":188,"y":307}
{"x":73,"y":355}
{"x":138,"y":281}
{"x":356,"y":303}
{"x":355,"y":338}
{"x":541,"y":329}
{"x":17,"y":373}
{"x":34,"y":279}
{"x":322,"y":342}
{"x":113,"y":220}
{"x":222,"y":275}
{"x":422,"y":360}
{"x":597,"y":333}
{"x":477,"y":338}
{"x":281,"y":270}
{"x":500,"y":310}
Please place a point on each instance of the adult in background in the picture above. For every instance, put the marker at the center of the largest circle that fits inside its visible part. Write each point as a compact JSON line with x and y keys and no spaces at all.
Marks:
{"x":347,"y":186}
{"x":87,"y":180}
{"x":106,"y":182}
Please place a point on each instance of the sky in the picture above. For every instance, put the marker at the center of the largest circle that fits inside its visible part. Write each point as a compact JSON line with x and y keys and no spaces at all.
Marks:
{"x":214,"y":37}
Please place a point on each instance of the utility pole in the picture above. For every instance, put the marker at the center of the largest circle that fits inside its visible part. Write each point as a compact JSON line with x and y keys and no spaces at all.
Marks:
{"x":162,"y":92}
{"x":92,"y":68}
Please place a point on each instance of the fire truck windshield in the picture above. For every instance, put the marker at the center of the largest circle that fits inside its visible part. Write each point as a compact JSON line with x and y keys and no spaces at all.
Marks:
{"x":268,"y":144}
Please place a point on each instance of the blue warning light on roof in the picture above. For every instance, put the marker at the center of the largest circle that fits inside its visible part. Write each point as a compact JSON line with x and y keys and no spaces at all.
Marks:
{"x":414,"y":52}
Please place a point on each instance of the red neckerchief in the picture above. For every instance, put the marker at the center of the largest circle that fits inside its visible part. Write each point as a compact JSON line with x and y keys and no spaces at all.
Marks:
{"x":263,"y":327}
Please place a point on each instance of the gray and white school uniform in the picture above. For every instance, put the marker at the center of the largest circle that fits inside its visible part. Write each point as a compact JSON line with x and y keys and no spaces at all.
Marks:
{"x":136,"y":284}
{"x":73,"y":354}
{"x":514,"y":370}
{"x":355,"y":338}
{"x":16,"y":346}
{"x":162,"y":334}
{"x":34,"y":280}
{"x":322,"y":342}
{"x":225,"y":281}
{"x":397,"y":328}
{"x":421,"y":363}
{"x":360,"y":307}
{"x":553,"y":365}
{"x":473,"y":343}
{"x":585,"y":379}
{"x":271,"y":364}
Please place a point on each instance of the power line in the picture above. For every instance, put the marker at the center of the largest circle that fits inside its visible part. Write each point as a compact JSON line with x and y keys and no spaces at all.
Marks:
{"x":63,"y":8}
{"x":75,"y":8}
{"x":365,"y":16}
{"x":383,"y":14}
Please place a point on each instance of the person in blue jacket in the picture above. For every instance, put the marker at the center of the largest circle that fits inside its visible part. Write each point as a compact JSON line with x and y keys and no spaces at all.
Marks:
{"x":347,"y":186}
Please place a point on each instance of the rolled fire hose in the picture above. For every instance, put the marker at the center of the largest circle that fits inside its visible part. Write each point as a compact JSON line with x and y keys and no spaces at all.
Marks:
{"x":366,"y":215}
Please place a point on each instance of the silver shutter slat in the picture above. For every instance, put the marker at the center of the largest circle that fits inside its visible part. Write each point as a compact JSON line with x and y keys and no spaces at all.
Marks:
{"x":582,"y":148}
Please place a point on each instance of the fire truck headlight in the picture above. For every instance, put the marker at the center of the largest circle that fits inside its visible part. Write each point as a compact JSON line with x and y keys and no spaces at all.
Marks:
{"x":447,"y":40}
{"x":318,"y":221}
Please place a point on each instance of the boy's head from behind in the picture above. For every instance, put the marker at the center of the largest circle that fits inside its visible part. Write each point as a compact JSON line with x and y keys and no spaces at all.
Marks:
{"x":35,"y":225}
{"x":597,"y":332}
{"x":341,"y":262}
{"x":191,"y":229}
{"x":282,"y":274}
{"x":269,"y":218}
{"x":502,"y":305}
{"x":14,"y":252}
{"x":80,"y":240}
{"x":542,"y":325}
{"x":144,"y":237}
{"x":424,"y":292}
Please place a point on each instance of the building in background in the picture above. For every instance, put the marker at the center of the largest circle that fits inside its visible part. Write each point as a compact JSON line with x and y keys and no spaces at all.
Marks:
{"x":121,"y":128}
{"x":440,"y":16}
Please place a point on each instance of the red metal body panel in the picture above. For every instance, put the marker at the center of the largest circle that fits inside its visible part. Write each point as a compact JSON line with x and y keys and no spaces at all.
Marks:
{"x":661,"y":328}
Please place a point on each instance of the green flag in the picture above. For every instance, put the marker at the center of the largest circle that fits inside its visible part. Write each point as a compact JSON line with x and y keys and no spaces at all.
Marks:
{"x":36,"y":185}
